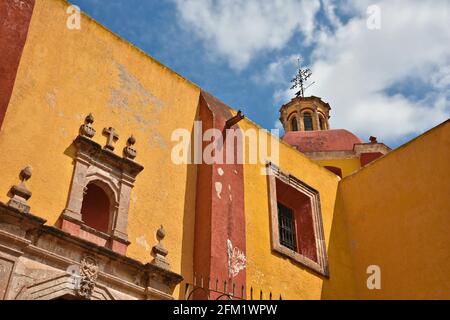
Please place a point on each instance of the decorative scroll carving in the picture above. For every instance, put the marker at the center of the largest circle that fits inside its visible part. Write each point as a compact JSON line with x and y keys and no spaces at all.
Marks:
{"x":20,"y":193}
{"x":88,"y":276}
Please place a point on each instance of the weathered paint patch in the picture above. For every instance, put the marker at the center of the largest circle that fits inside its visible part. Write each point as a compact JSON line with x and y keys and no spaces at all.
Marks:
{"x":218,"y":186}
{"x":236,"y":260}
{"x":133,"y":102}
{"x":129,"y":86}
{"x":143,"y":243}
{"x":50,"y":98}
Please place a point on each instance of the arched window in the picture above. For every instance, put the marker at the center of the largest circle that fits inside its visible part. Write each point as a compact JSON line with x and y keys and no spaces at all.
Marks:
{"x":96,"y":208}
{"x":307,"y":120}
{"x":294,"y":124}
{"x":323,"y":125}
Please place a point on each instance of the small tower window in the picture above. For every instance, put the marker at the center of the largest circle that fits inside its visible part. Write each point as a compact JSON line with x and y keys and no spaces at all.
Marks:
{"x":294,"y":124}
{"x":307,"y":119}
{"x":96,"y":208}
{"x":322,"y":123}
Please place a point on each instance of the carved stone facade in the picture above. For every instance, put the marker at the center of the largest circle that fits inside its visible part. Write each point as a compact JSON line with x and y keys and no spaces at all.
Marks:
{"x":74,"y":261}
{"x":114,"y":174}
{"x":39,"y":262}
{"x":88,"y":274}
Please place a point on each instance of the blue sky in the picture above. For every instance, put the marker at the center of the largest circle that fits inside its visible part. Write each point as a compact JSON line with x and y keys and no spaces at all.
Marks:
{"x":392,"y":81}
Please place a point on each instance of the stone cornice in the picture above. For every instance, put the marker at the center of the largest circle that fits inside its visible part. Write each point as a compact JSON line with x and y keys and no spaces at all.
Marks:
{"x":31,"y":237}
{"x":360,"y":148}
{"x":311,"y":98}
{"x":95,"y":151}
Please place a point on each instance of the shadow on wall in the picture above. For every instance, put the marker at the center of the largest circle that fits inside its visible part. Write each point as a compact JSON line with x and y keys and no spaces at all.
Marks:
{"x":187,"y":245}
{"x":340,"y":284}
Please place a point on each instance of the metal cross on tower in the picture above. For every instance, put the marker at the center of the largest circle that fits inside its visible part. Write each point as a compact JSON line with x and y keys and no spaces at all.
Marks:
{"x":300,"y":80}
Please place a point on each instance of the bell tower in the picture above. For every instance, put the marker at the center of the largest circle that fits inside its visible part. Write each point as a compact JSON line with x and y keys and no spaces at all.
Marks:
{"x":305,"y":114}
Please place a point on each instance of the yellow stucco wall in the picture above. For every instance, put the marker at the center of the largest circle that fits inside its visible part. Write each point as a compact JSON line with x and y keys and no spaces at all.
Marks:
{"x":397,"y":212}
{"x":266,"y":270}
{"x":393,"y":213}
{"x":67,"y":74}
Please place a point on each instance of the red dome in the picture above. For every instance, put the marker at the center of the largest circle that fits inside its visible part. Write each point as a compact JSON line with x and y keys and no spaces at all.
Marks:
{"x":326,"y":140}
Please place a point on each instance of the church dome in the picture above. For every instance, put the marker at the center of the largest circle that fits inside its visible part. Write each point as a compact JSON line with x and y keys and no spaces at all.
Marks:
{"x":325,"y":140}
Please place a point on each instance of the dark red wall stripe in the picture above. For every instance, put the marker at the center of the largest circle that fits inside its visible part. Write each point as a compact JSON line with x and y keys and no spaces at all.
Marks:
{"x":15,"y":17}
{"x":218,"y":219}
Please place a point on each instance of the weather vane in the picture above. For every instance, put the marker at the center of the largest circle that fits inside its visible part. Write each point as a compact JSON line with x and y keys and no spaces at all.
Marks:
{"x":300,"y":80}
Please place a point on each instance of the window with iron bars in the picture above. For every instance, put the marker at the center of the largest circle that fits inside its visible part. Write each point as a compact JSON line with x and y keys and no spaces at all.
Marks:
{"x":286,"y":225}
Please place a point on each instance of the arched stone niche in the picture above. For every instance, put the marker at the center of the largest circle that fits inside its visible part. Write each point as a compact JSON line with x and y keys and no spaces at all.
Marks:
{"x":116,"y":176}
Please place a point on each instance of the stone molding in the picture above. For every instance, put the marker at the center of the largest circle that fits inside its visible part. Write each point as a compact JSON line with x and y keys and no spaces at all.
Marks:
{"x":321,"y":266}
{"x":114,"y":174}
{"x":42,"y":256}
{"x":361,"y":148}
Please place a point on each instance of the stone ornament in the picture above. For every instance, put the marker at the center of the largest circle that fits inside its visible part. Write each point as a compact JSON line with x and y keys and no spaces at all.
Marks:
{"x":159,"y":252}
{"x":129,"y":151}
{"x":20,"y":193}
{"x":86,"y":129}
{"x":94,"y":163}
{"x":112,"y":137}
{"x":88,"y":276}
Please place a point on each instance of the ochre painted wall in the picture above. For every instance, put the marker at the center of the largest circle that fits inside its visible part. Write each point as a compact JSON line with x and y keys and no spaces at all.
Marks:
{"x":65,"y":74}
{"x":393,"y":213}
{"x":397,"y":212}
{"x":266,"y":270}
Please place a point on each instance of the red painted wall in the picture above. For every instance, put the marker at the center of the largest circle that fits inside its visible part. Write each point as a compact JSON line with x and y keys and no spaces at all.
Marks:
{"x":218,"y":219}
{"x":95,"y":210}
{"x":15,"y":17}
{"x":367,"y":158}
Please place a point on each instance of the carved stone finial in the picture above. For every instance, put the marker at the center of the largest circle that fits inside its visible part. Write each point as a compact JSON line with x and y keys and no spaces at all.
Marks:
{"x":373,"y":139}
{"x":86,"y":129}
{"x":88,"y":276}
{"x":159,"y":252}
{"x":129,"y":151}
{"x":112,"y":136}
{"x":161,"y":233}
{"x":20,"y":193}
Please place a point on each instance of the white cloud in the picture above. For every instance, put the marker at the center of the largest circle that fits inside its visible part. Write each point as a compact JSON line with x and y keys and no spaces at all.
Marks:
{"x":240,"y":29}
{"x":353,"y":66}
{"x":275,"y":73}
